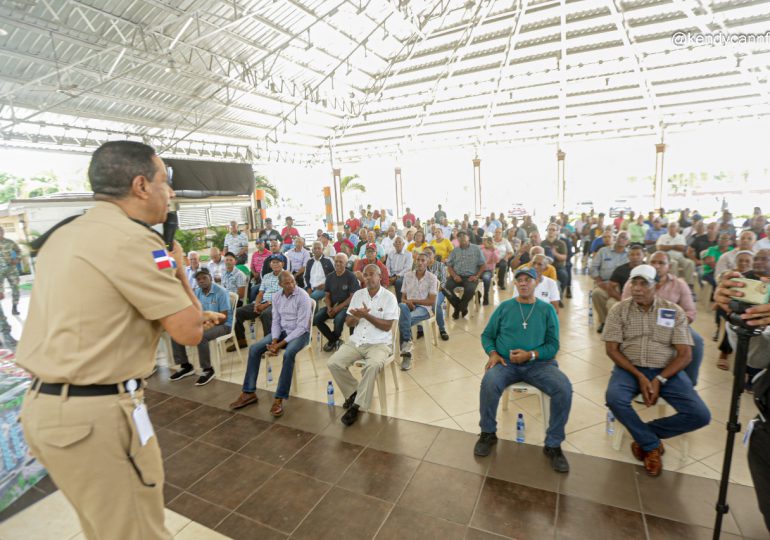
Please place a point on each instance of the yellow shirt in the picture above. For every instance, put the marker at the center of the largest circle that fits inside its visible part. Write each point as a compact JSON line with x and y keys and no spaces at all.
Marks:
{"x":414,"y":249}
{"x":443,"y":248}
{"x":98,"y":296}
{"x":549,"y":272}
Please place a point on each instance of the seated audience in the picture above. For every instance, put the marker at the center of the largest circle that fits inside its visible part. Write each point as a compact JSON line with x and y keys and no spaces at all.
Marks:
{"x":674,"y":243}
{"x":438,"y":269}
{"x":465,"y":266}
{"x":340,"y":286}
{"x":603,"y":265}
{"x":418,"y":243}
{"x":372,"y":312}
{"x":233,"y":280}
{"x":419,"y":298}
{"x":216,"y":265}
{"x":288,"y":233}
{"x":268,"y":234}
{"x":275,"y":253}
{"x":237,"y":243}
{"x":212,"y":298}
{"x":546,"y":288}
{"x":504,"y":254}
{"x":441,"y":245}
{"x":558,"y":249}
{"x":298,"y":257}
{"x":195,"y":264}
{"x":316,"y":271}
{"x":399,"y":262}
{"x":328,"y":248}
{"x":292,"y":311}
{"x":648,"y":339}
{"x":261,"y":307}
{"x":492,"y":258}
{"x":371,"y":258}
{"x":522,"y":339}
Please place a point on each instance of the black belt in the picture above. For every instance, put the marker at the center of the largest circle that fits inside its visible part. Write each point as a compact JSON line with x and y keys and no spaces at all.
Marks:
{"x":81,"y":391}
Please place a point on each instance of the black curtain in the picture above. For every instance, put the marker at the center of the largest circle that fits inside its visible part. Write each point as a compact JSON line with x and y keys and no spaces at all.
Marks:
{"x":198,"y":179}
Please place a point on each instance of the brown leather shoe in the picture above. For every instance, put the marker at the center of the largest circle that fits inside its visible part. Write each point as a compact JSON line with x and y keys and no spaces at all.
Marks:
{"x":640,"y":454}
{"x":246,"y":398}
{"x":277,"y":408}
{"x":653,"y":463}
{"x":241,"y":344}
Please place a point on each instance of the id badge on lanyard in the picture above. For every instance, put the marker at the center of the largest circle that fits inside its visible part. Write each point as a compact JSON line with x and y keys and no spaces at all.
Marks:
{"x":139,"y":414}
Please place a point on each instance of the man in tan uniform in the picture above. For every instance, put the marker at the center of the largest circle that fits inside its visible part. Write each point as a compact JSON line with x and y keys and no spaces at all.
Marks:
{"x":105,"y":290}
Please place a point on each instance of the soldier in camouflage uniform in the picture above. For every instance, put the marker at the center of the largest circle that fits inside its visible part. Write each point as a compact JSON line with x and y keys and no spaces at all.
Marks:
{"x":9,"y":255}
{"x":5,"y":328}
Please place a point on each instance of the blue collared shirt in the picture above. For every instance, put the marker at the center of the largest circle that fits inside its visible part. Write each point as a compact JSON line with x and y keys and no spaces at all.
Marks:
{"x":218,"y":299}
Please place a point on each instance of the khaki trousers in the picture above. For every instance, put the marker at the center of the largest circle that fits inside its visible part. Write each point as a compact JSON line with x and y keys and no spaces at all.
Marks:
{"x":375,"y":358}
{"x":91,"y":449}
{"x":682,"y":267}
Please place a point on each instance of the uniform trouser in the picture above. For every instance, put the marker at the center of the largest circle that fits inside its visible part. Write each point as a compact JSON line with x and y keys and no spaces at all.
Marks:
{"x":602,"y":303}
{"x":204,"y":354}
{"x":247,"y":313}
{"x":319,"y":321}
{"x":5,"y":328}
{"x":91,"y":449}
{"x":544,"y":375}
{"x":759,"y":465}
{"x":469,"y":287}
{"x":375,"y":356}
{"x":691,"y":412}
{"x":684,"y":268}
{"x":12,"y":275}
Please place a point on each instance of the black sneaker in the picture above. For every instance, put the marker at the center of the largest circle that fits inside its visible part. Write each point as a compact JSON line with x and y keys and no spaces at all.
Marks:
{"x":205,"y":378}
{"x":464,"y":313}
{"x":420,"y":332}
{"x":329,"y":347}
{"x":444,"y":335}
{"x":456,"y":315}
{"x":350,"y":416}
{"x":558,"y":460}
{"x":15,"y":310}
{"x":600,"y":329}
{"x":186,"y":371}
{"x":338,"y":344}
{"x":484,"y":444}
{"x":349,"y":402}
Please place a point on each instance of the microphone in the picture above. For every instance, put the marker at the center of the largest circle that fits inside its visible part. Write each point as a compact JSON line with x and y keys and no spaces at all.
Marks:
{"x":170,"y":227}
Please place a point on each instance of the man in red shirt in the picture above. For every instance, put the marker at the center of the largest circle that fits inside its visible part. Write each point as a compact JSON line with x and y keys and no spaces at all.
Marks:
{"x":342,"y":240}
{"x":353,"y":223}
{"x":618,"y":221}
{"x":409,"y":216}
{"x":371,"y":258}
{"x":288,"y":233}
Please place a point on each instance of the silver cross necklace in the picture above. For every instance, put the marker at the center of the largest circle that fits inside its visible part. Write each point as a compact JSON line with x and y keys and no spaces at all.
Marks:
{"x":524,"y":324}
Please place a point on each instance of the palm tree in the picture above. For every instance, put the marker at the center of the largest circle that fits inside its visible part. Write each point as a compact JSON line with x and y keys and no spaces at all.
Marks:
{"x":271,"y":192}
{"x":347,"y":184}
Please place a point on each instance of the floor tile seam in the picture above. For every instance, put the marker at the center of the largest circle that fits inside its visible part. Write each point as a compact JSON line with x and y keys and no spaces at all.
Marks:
{"x":164,"y":458}
{"x":242,"y":455}
{"x":478,"y":498}
{"x":641,"y":505}
{"x":421,"y":387}
{"x":311,"y":510}
{"x":202,"y":434}
{"x":244,"y":516}
{"x":228,"y":510}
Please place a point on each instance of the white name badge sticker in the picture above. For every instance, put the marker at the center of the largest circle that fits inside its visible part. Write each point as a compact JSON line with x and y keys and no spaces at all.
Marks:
{"x":143,"y":424}
{"x":666,"y":317}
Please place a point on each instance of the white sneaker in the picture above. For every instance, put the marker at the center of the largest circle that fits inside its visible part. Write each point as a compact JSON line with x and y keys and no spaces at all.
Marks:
{"x":406,"y":348}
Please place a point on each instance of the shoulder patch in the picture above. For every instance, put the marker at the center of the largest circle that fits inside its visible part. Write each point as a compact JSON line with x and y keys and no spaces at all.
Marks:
{"x":163,"y":260}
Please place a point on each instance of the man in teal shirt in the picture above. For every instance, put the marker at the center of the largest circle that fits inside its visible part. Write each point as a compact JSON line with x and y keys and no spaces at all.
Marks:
{"x":522,"y":339}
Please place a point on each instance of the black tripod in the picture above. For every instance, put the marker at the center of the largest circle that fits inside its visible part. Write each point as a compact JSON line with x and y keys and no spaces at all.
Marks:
{"x":744,"y":333}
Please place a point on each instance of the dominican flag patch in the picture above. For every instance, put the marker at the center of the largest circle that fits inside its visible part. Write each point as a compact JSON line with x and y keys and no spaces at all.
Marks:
{"x":163,"y":260}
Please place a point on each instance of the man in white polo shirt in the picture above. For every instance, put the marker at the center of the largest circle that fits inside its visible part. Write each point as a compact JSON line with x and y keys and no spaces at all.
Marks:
{"x":547,"y":289}
{"x":675,"y":246}
{"x":372,"y":312}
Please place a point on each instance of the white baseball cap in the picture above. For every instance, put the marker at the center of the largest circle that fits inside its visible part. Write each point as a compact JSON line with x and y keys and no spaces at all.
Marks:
{"x":644,"y":271}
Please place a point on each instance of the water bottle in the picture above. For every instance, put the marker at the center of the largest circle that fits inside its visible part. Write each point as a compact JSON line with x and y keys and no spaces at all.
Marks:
{"x":610,"y":422}
{"x":330,"y":394}
{"x":269,"y":373}
{"x":590,"y":309}
{"x":253,"y":330}
{"x":520,"y":428}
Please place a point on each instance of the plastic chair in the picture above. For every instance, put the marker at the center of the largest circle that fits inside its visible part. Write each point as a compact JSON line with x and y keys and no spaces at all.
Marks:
{"x":309,"y":346}
{"x":617,"y":437}
{"x":382,"y":392}
{"x":431,"y":330}
{"x":545,"y":400}
{"x":219,"y":343}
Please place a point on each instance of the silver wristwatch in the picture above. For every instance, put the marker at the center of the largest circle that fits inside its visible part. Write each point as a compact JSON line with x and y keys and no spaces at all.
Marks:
{"x":662,"y":379}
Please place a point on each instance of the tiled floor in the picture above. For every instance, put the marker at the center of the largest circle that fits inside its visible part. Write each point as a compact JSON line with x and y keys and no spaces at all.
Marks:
{"x":246,"y":475}
{"x":443,"y":390}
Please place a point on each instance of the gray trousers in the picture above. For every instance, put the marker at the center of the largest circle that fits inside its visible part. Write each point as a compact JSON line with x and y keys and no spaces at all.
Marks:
{"x":204,"y":356}
{"x":375,"y":358}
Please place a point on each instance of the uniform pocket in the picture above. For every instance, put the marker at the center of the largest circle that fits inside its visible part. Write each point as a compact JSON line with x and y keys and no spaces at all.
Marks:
{"x":64,"y":436}
{"x":146,"y":460}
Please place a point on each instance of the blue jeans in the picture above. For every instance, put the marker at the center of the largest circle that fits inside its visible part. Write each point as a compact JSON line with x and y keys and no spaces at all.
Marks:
{"x":255,"y":358}
{"x":319,"y":321}
{"x":409,"y":318}
{"x":440,"y":311}
{"x":317,"y":295}
{"x":693,"y":367}
{"x":691,"y":412}
{"x":544,"y":375}
{"x":397,"y":286}
{"x":486,"y":279}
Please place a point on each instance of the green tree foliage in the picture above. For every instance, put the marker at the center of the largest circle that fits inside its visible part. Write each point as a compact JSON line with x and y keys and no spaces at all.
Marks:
{"x":191,"y":240}
{"x":271,"y":192}
{"x":348,"y":183}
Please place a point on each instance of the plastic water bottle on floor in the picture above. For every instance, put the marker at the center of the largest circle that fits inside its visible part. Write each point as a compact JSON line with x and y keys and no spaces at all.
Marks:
{"x":269,"y":373}
{"x":252,"y":331}
{"x":610,"y":423}
{"x":590,"y":309}
{"x":520,"y":428}
{"x":330,"y":394}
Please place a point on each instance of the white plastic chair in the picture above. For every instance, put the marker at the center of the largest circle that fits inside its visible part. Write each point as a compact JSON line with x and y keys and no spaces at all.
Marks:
{"x":309,"y":346}
{"x":430,"y":327}
{"x":219,"y":343}
{"x":382,"y":391}
{"x":617,"y":437}
{"x":545,"y":400}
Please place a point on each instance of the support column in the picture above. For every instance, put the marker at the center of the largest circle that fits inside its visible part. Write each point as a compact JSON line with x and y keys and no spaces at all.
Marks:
{"x":328,"y":208}
{"x":399,"y":195}
{"x":260,"y":212}
{"x":660,"y":151}
{"x":561,"y":182}
{"x":477,"y":187}
{"x":339,"y":211}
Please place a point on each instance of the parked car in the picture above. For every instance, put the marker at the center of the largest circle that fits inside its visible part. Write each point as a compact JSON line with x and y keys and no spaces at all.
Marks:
{"x":619,"y":205}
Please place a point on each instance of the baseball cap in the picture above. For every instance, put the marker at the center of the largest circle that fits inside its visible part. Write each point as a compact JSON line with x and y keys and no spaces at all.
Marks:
{"x":644,"y":271}
{"x":371,"y":246}
{"x":525,"y":270}
{"x":202,"y":271}
{"x":259,"y":241}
